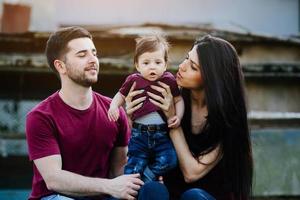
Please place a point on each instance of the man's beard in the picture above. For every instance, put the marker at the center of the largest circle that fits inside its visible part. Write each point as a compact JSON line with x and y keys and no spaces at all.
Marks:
{"x":80,"y":78}
{"x":83,"y":81}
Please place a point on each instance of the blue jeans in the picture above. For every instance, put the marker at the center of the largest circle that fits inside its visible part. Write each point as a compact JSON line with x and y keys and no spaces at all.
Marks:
{"x":153,"y":190}
{"x":150,"y":153}
{"x":196,"y":194}
{"x":61,"y":197}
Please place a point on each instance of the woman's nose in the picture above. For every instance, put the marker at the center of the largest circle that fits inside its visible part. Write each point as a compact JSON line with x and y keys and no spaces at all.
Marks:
{"x":181,"y":66}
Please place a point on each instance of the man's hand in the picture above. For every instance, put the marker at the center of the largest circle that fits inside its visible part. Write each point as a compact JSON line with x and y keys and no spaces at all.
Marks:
{"x":125,"y":186}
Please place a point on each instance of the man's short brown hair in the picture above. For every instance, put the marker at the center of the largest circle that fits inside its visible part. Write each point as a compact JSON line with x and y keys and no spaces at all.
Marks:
{"x":57,"y":43}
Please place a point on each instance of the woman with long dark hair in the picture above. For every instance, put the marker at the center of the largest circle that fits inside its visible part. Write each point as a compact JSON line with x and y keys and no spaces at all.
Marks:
{"x":213,"y":143}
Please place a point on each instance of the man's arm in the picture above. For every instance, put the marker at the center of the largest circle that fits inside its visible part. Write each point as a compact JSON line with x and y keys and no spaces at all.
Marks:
{"x":118,"y":160}
{"x":65,"y":182}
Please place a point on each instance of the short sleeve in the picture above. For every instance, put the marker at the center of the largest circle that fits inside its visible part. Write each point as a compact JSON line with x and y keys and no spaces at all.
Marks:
{"x":124,"y":130}
{"x":171,"y":81}
{"x":40,"y":136}
{"x":124,"y":90}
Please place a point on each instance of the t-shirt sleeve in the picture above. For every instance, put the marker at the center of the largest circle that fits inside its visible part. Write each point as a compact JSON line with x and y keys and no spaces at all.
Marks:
{"x":124,"y":90}
{"x":124,"y":130}
{"x":171,"y":81}
{"x":40,"y":136}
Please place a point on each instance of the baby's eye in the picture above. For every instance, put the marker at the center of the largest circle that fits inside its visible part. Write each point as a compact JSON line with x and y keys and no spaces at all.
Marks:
{"x":146,"y":63}
{"x":158,"y":62}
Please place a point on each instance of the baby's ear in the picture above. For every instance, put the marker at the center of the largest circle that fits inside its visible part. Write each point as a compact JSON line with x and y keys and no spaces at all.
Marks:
{"x":137,"y":67}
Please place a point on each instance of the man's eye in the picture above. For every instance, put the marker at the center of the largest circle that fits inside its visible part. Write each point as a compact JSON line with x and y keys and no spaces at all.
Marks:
{"x":81,"y":55}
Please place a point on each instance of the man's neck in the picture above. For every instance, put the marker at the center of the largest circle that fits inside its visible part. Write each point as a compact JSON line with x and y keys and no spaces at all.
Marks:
{"x":76,"y":96}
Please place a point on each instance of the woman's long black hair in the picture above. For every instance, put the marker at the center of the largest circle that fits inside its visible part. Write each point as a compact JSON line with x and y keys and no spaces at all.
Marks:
{"x":226,"y":123}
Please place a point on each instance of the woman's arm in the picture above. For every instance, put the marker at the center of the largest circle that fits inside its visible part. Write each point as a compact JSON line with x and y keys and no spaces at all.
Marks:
{"x":179,"y":106}
{"x":192,"y":168}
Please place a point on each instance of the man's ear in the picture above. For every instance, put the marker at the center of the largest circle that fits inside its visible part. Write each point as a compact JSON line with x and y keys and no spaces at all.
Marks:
{"x":60,"y":66}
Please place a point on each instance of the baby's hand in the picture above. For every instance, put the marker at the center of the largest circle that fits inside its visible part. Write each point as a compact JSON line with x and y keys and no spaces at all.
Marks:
{"x":113,"y":113}
{"x":174,"y":122}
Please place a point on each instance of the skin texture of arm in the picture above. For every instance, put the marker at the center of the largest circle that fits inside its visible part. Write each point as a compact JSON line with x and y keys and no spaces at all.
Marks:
{"x":192,"y":168}
{"x":65,"y":182}
{"x":116,"y":103}
{"x":118,"y":161}
{"x":179,"y":106}
{"x":175,"y":121}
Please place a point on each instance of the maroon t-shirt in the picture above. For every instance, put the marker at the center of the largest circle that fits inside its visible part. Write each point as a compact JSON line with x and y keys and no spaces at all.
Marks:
{"x":142,"y":83}
{"x":83,"y":138}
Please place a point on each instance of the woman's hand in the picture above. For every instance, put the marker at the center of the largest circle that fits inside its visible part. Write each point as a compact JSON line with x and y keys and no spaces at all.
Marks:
{"x":166,"y":102}
{"x":132,"y":106}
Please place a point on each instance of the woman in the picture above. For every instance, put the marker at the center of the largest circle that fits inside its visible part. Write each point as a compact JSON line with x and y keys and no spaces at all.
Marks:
{"x":212,"y":144}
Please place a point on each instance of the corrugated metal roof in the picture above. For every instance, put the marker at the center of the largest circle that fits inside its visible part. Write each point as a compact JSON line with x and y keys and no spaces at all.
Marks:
{"x":123,"y":64}
{"x":24,"y":52}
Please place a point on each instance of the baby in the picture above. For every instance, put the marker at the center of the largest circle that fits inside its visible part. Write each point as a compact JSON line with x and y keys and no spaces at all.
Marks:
{"x":150,"y":150}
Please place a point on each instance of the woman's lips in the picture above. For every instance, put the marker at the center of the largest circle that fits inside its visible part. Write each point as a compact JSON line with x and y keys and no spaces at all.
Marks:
{"x":178,"y":75}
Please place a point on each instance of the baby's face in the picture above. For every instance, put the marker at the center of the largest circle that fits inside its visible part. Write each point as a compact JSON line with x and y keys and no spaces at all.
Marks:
{"x":152,"y":65}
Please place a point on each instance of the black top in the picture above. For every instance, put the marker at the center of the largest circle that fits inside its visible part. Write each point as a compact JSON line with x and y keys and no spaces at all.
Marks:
{"x":214,"y":183}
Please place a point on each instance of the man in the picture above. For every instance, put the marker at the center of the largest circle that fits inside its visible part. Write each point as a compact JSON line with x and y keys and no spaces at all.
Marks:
{"x":77,"y":152}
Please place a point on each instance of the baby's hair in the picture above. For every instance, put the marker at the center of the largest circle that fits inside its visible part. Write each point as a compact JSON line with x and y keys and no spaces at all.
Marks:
{"x":151,"y":43}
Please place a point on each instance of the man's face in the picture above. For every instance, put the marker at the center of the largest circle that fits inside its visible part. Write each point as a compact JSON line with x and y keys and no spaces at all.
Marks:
{"x":82,"y":64}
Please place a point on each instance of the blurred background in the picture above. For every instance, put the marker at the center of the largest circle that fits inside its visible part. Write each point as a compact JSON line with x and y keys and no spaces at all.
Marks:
{"x":266,"y":34}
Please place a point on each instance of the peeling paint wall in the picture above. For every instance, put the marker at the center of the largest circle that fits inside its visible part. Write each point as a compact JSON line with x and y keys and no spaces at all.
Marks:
{"x":270,"y":53}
